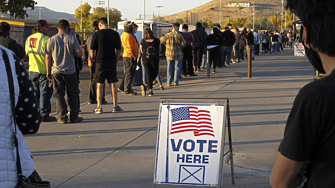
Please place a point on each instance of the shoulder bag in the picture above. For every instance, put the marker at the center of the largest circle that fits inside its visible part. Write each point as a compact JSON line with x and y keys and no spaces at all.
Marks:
{"x":34,"y":180}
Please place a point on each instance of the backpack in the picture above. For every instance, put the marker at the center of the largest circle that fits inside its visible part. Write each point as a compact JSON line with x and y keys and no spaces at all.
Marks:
{"x":151,"y":52}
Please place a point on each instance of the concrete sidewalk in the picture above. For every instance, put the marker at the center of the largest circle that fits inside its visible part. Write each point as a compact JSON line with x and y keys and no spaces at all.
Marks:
{"x":118,"y":150}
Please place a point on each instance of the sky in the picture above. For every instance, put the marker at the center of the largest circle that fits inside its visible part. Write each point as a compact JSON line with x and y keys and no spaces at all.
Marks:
{"x":130,"y":9}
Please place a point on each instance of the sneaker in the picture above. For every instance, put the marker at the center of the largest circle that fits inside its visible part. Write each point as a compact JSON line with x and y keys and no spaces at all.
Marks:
{"x":143,"y":89}
{"x":193,"y":74}
{"x":117,"y":109}
{"x":176,"y":84}
{"x":214,"y":71}
{"x":151,"y":94}
{"x":48,"y":119}
{"x":92,"y":102}
{"x":133,"y":93}
{"x":120,"y":90}
{"x":104,"y":102}
{"x":168,"y":85}
{"x":162,"y":87}
{"x":79,"y":111}
{"x":98,"y":111}
{"x":77,"y":120}
{"x":62,"y":121}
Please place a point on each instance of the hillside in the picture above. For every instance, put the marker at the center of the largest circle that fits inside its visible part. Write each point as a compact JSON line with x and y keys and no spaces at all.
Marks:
{"x":211,"y":11}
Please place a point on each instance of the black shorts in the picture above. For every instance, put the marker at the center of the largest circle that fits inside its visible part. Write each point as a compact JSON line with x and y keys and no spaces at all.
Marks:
{"x":103,"y":73}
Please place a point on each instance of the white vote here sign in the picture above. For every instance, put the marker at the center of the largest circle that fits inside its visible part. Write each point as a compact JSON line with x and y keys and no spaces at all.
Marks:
{"x":189,"y":145}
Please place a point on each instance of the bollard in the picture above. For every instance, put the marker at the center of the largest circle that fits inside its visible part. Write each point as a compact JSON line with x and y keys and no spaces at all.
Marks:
{"x":208,"y":65}
{"x":249,"y":62}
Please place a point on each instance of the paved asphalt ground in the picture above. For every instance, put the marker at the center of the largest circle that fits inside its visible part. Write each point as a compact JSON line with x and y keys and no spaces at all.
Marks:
{"x":118,"y":150}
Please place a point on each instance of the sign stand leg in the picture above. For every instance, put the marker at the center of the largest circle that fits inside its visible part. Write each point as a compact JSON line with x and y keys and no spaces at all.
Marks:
{"x":208,"y":64}
{"x":230,"y":146}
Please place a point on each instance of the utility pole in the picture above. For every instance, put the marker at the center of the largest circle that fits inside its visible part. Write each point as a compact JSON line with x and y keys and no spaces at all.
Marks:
{"x":158,"y":7}
{"x":253,"y":18}
{"x":81,"y":17}
{"x":220,"y":13}
{"x":108,"y":13}
{"x":39,"y":13}
{"x":282,"y":14}
{"x":143,"y":9}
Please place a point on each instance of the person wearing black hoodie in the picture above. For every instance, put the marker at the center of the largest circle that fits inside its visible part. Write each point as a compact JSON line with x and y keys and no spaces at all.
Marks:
{"x":198,"y":46}
{"x":216,"y":40}
{"x":228,"y":42}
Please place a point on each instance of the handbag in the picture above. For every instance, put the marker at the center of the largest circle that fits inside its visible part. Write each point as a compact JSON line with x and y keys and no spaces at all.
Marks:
{"x":34,"y":180}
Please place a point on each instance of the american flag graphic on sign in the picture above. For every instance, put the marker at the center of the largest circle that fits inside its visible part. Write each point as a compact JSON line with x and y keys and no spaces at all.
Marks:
{"x":191,"y":119}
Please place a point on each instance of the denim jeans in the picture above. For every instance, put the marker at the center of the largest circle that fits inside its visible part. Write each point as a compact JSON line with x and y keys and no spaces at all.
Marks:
{"x":66,"y":83}
{"x":173,"y":70}
{"x":274,"y":46}
{"x":227,"y":53}
{"x":204,"y":61}
{"x":43,"y":92}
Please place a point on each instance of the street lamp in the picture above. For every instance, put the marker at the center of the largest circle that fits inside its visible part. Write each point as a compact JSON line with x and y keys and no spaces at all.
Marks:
{"x":282,"y":15}
{"x":143,"y":9}
{"x":158,"y":7}
{"x":100,"y":3}
{"x":220,"y":13}
{"x":39,"y":12}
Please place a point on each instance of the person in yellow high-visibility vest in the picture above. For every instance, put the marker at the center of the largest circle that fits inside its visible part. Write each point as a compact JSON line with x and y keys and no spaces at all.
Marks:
{"x":35,"y":46}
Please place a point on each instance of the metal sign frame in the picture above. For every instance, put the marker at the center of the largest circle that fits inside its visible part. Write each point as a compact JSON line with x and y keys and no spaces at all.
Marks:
{"x":226,"y":125}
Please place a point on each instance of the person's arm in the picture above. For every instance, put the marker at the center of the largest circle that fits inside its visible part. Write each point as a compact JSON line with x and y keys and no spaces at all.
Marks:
{"x":48,"y":64}
{"x":141,"y":48}
{"x":92,"y":55}
{"x":78,"y":49}
{"x":287,"y":173}
{"x":48,"y":58}
{"x":191,"y":38}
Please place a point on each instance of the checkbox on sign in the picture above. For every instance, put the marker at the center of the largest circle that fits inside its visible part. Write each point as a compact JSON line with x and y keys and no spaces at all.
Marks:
{"x":191,"y":174}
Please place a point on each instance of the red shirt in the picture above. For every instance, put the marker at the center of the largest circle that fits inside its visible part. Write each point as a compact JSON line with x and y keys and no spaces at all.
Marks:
{"x":188,"y":37}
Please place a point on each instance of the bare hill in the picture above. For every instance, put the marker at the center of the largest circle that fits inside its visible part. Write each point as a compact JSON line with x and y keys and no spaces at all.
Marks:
{"x":211,"y":11}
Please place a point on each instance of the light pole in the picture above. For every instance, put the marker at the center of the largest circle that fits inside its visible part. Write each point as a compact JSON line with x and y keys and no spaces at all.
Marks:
{"x":158,"y":7}
{"x":81,"y":17}
{"x":220,"y":13}
{"x":100,"y":3}
{"x":39,"y":12}
{"x":282,"y":14}
{"x":143,"y":9}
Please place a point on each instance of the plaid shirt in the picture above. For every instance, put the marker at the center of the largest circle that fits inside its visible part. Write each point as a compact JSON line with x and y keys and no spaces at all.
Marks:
{"x":174,"y":42}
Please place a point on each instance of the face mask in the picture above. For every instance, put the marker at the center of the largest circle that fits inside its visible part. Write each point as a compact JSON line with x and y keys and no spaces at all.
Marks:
{"x":135,"y":31}
{"x":313,"y":56}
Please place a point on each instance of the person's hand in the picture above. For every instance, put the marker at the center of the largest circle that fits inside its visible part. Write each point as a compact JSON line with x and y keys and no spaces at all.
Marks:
{"x":48,"y":76}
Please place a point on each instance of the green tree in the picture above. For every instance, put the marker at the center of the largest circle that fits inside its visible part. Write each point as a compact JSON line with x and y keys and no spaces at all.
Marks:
{"x":16,"y":8}
{"x":86,"y":8}
{"x":99,"y":12}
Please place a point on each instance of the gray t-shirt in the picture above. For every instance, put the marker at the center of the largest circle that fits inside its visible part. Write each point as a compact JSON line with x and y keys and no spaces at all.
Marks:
{"x":62,"y":48}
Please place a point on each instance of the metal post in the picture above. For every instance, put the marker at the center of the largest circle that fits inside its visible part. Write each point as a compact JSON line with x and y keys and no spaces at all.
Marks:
{"x":220,"y":13}
{"x":253,"y":18}
{"x":282,"y":14}
{"x":230,"y":146}
{"x":108,"y":13}
{"x":208,"y":64}
{"x":81,"y":17}
{"x":159,"y":14}
{"x":249,"y":62}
